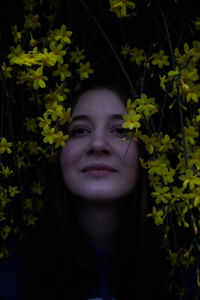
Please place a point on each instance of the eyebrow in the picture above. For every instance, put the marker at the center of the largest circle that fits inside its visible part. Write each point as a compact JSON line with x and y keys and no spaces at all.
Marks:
{"x":87,"y":118}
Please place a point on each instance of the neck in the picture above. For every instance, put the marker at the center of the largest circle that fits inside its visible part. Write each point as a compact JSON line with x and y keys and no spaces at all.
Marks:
{"x":100,"y":223}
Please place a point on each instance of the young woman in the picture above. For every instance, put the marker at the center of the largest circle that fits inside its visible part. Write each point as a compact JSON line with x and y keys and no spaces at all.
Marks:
{"x":97,"y":242}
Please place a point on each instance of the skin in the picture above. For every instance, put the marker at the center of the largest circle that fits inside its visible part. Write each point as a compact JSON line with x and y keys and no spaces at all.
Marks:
{"x":97,"y":138}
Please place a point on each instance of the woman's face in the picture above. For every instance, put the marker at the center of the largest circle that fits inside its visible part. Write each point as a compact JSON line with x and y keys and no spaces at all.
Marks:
{"x":95,"y":162}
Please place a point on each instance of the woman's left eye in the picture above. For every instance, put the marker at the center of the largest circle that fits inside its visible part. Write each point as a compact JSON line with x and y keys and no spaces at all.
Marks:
{"x":120,"y":131}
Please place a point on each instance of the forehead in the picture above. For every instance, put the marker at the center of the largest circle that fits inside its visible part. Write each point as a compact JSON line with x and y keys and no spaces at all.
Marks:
{"x":99,"y":101}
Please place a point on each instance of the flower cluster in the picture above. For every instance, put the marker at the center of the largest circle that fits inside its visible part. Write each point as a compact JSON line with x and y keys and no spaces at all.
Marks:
{"x":40,"y":68}
{"x":172,"y":163}
{"x":121,"y":8}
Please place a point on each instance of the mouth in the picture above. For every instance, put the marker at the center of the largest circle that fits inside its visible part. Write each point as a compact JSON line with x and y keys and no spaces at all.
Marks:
{"x":99,"y":170}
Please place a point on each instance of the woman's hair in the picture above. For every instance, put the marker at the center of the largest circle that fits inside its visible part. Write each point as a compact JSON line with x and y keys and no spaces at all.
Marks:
{"x":63,"y":257}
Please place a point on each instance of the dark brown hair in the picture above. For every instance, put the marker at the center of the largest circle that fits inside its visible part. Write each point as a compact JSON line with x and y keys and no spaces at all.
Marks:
{"x":64,"y":259}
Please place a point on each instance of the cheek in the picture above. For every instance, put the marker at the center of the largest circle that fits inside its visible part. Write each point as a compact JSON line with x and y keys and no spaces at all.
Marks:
{"x":70,"y":155}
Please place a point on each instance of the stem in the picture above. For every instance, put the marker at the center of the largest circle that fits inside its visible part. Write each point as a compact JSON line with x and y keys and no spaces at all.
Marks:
{"x":2,"y":106}
{"x":111,"y":47}
{"x":178,"y":90}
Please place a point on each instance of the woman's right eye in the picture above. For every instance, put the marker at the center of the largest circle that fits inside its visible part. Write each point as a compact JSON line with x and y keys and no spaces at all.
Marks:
{"x":78,"y":131}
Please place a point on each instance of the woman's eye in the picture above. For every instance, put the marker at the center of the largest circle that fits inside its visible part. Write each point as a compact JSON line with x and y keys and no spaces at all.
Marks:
{"x":79,"y":131}
{"x":121,"y":131}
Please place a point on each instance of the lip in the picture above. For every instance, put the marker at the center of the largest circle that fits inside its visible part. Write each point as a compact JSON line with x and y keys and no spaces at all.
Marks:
{"x":99,"y":169}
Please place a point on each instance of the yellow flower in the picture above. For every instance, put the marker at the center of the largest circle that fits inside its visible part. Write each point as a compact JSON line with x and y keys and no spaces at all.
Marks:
{"x":13,"y":190}
{"x":5,"y":231}
{"x":161,"y":194}
{"x":47,"y":59}
{"x":36,"y":188}
{"x":125,"y":50}
{"x":195,"y":51}
{"x":54,"y":96}
{"x":189,"y":178}
{"x":16,"y":35}
{"x":131,"y":120}
{"x":66,"y":117}
{"x":28,"y":204}
{"x":85,"y":70}
{"x":173,"y":257}
{"x":5,"y":146}
{"x":30,"y":219}
{"x":157,"y":166}
{"x":38,"y":78}
{"x":137,"y":55}
{"x":4,"y":197}
{"x":20,"y":161}
{"x":193,"y":92}
{"x":165,"y":143}
{"x":20,"y":146}
{"x":63,"y":35}
{"x":62,"y":71}
{"x":44,"y":122}
{"x":77,"y":55}
{"x":5,"y":171}
{"x":55,"y":110}
{"x":157,"y":215}
{"x":61,"y":91}
{"x":32,"y":147}
{"x":177,"y":194}
{"x":58,"y":52}
{"x":150,"y":142}
{"x":49,"y":135}
{"x":31,"y":124}
{"x":31,"y":21}
{"x":160,"y":59}
{"x":194,"y":160}
{"x":29,"y":5}
{"x":174,"y":73}
{"x":119,"y":7}
{"x":196,"y":196}
{"x":191,"y":133}
{"x":60,"y":139}
{"x":2,"y":218}
{"x":168,"y":175}
{"x":130,"y":105}
{"x":15,"y":53}
{"x":163,"y":80}
{"x":22,"y":76}
{"x":6,"y":71}
{"x":146,"y":106}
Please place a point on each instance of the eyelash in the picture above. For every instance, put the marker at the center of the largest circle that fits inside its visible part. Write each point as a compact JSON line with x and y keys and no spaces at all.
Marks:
{"x":76,"y":131}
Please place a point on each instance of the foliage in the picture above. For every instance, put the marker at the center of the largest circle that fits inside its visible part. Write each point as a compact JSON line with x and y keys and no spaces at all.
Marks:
{"x":41,"y":68}
{"x":173,"y":160}
{"x":158,"y":55}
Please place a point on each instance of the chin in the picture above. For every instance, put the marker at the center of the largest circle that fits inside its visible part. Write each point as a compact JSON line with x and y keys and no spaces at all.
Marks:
{"x":100,"y":197}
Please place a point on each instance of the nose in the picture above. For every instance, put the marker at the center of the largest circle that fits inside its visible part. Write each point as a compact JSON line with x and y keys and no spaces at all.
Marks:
{"x":99,"y":144}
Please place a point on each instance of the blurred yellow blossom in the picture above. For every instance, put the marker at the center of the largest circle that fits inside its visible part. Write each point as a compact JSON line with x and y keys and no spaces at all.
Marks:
{"x":131,"y":120}
{"x":160,"y":59}
{"x":62,"y":71}
{"x":38,"y":78}
{"x":85,"y":70}
{"x":63,"y":35}
{"x":158,"y":216}
{"x":16,"y":34}
{"x":5,"y":146}
{"x":31,"y":21}
{"x":119,"y":7}
{"x":77,"y":55}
